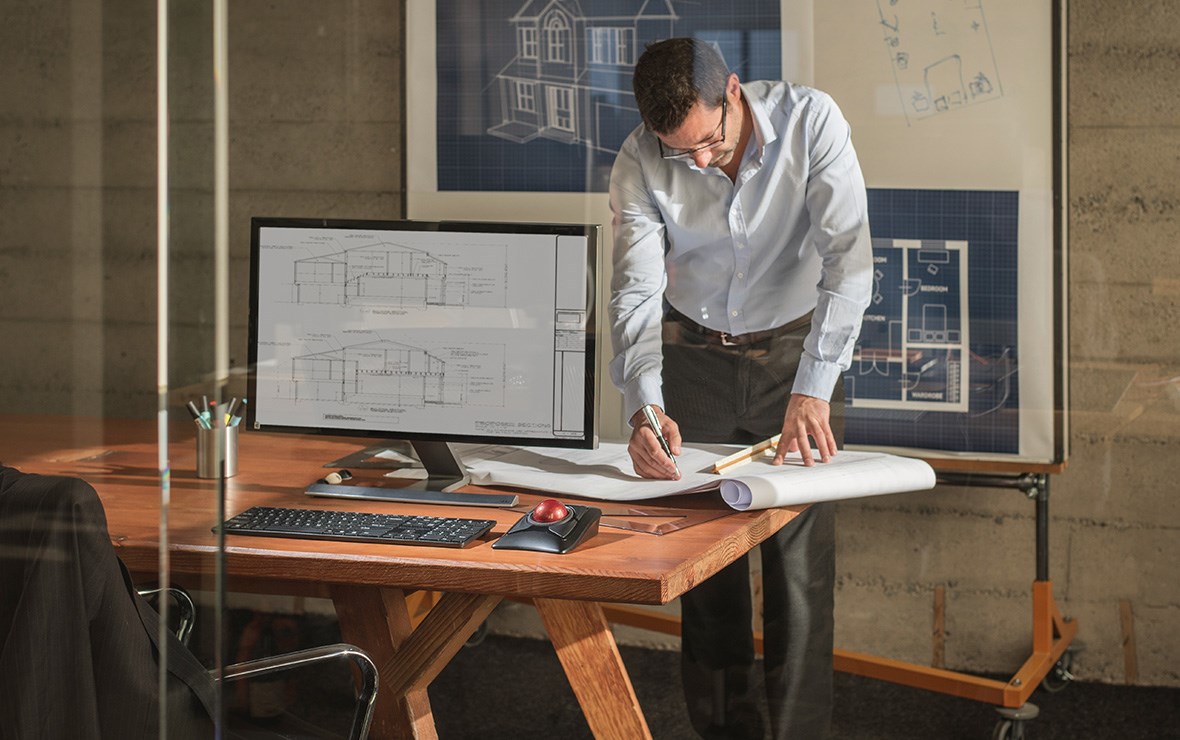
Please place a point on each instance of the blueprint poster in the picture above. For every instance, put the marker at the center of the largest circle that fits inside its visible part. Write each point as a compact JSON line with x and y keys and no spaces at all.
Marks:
{"x":936,"y":366}
{"x":535,"y":95}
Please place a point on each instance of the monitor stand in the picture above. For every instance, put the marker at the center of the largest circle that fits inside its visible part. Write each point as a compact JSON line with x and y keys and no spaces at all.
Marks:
{"x":444,"y":474}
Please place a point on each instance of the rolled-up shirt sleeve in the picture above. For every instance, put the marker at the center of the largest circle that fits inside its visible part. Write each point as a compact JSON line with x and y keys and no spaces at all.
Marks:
{"x":637,"y":284}
{"x":839,"y":232}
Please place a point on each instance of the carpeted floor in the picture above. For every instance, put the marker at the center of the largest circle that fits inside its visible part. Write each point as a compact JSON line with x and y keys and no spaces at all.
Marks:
{"x":507,"y":687}
{"x":514,"y":688}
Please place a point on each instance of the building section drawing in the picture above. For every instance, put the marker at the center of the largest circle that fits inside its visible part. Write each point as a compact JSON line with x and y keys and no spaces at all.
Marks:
{"x":569,"y":80}
{"x":423,"y":331}
{"x":400,"y":375}
{"x":913,"y":352}
{"x":390,"y":274}
{"x":941,"y":54}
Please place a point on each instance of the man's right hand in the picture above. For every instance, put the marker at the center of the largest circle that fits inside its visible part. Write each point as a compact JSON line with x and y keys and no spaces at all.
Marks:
{"x":647,"y":456}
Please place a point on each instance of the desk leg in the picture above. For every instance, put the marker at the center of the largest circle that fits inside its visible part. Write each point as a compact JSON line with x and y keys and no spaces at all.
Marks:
{"x":587,"y":650}
{"x":378,"y":621}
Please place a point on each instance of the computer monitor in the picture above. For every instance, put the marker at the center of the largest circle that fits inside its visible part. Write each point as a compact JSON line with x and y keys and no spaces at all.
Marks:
{"x":431,"y":332}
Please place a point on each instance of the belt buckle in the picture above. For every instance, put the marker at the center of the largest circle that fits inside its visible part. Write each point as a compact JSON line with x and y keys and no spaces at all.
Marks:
{"x":725,"y":340}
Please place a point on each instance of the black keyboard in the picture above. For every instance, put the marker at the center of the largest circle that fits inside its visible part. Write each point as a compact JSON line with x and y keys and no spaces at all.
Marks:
{"x":394,"y":529}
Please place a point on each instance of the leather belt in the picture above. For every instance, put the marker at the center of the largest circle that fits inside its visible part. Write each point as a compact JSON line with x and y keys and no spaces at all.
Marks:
{"x":712,"y":336}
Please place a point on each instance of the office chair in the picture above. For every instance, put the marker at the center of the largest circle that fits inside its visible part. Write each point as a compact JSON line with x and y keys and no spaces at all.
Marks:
{"x":366,"y":695}
{"x":69,"y":614}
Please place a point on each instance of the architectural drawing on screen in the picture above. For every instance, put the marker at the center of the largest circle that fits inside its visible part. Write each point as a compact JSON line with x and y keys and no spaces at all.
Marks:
{"x":941,"y":54}
{"x":387,"y":274}
{"x":913,"y":352}
{"x":570,"y":79}
{"x":386,"y":376}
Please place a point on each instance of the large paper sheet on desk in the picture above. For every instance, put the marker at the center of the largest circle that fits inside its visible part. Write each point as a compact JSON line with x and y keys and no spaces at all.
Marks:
{"x":760,"y":485}
{"x":606,"y":473}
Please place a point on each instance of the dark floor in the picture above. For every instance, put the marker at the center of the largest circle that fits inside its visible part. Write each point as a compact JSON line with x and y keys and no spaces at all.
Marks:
{"x":514,"y":688}
{"x":505,"y":687}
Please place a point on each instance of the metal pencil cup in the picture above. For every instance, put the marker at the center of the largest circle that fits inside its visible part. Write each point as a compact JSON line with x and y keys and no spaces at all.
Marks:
{"x":208,"y":462}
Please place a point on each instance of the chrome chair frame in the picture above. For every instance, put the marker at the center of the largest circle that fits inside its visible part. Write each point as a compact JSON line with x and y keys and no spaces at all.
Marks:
{"x":366,"y":697}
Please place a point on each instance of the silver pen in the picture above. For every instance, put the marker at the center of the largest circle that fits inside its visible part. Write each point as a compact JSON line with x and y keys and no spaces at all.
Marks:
{"x":654,"y":422}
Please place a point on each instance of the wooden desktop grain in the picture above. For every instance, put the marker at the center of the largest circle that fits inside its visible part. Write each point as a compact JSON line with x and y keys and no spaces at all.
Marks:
{"x":368,"y":581}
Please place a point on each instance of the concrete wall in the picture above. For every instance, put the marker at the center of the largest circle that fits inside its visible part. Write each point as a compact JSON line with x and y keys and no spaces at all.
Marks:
{"x":316,"y":122}
{"x":316,"y":129}
{"x":1114,"y":514}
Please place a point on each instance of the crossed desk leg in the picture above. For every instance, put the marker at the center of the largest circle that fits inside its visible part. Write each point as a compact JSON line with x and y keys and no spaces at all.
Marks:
{"x":588,"y":653}
{"x":409,"y":658}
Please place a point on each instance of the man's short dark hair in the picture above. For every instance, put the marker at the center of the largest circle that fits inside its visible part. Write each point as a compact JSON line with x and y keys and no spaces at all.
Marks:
{"x":672,"y":75}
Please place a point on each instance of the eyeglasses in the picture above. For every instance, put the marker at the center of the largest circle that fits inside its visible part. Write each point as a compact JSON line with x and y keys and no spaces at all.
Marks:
{"x":682,"y":153}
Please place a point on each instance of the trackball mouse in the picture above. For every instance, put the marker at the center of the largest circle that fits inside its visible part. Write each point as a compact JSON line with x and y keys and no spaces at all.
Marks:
{"x":551,"y":527}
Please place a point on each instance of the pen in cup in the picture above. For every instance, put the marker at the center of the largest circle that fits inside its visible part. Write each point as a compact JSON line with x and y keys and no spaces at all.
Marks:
{"x":238,"y":412}
{"x":231,"y":409}
{"x":654,"y":422}
{"x":196,"y":414}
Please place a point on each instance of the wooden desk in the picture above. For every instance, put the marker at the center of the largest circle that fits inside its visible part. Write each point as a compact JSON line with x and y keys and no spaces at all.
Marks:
{"x":368,"y":583}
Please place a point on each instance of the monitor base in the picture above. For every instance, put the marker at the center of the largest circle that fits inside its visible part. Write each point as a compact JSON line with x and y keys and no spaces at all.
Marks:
{"x":412,"y":495}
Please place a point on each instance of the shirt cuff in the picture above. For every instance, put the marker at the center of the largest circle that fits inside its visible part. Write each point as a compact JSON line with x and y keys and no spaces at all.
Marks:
{"x":816,"y":378}
{"x":642,"y":390}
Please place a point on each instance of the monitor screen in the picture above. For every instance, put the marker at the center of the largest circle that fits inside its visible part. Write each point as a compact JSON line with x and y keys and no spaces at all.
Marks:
{"x":424,"y":331}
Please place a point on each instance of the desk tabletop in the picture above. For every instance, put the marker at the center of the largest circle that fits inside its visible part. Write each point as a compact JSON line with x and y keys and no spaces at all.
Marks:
{"x":119,"y":457}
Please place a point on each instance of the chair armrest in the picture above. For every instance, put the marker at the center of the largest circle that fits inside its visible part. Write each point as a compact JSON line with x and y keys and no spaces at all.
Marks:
{"x":185,"y":609}
{"x":366,"y":696}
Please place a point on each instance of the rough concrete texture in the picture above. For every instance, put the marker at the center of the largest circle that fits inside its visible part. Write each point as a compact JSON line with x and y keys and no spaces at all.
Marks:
{"x":316,"y":130}
{"x":1114,"y":512}
{"x":884,"y":618}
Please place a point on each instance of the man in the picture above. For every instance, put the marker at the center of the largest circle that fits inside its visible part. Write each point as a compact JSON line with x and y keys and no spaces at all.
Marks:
{"x":742,"y":266}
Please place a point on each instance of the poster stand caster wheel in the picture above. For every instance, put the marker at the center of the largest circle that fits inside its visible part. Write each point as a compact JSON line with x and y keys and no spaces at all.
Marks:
{"x":1013,"y":722}
{"x":1060,"y":675}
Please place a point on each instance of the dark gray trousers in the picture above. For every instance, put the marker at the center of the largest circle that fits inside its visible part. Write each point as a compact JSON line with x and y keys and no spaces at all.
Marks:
{"x":739,"y":395}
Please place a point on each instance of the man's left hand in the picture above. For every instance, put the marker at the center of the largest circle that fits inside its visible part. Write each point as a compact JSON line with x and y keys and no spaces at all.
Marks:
{"x":806,"y":416}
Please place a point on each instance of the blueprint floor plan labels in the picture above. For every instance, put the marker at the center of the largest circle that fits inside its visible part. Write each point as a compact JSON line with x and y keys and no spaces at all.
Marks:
{"x":914,"y":340}
{"x":937,"y":366}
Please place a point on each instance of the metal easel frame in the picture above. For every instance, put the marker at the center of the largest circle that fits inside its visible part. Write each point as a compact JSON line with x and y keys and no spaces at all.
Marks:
{"x":1052,"y":633}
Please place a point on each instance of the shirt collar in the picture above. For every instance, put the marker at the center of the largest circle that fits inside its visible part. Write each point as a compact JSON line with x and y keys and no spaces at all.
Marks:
{"x":763,"y":132}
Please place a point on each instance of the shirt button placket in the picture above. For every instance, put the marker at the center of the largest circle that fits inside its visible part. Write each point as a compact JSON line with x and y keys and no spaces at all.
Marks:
{"x":741,"y":260}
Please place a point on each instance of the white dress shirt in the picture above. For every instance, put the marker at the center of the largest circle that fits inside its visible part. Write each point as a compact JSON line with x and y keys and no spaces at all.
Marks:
{"x":789,"y":235}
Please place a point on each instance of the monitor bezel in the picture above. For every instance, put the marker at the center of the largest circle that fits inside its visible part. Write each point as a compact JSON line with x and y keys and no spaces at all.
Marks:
{"x":592,"y":234}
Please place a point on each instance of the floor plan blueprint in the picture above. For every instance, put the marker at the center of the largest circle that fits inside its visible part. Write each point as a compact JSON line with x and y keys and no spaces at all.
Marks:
{"x":914,"y":340}
{"x":941,"y":54}
{"x":936,"y":365}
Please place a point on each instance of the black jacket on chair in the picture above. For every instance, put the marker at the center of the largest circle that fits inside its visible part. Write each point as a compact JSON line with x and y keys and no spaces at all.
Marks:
{"x":78,"y":646}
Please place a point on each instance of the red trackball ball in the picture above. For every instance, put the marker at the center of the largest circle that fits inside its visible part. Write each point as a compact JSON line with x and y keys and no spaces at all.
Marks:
{"x":550,"y":510}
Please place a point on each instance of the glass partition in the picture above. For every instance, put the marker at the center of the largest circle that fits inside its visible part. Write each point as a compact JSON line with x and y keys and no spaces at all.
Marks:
{"x":137,"y":143}
{"x":103,"y":216}
{"x":271,"y":112}
{"x":130,"y":166}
